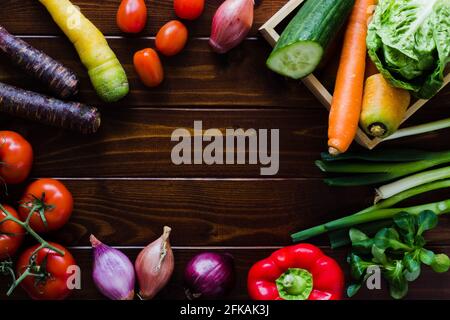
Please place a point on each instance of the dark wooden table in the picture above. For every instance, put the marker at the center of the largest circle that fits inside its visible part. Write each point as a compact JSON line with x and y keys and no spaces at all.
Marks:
{"x":125,"y":185}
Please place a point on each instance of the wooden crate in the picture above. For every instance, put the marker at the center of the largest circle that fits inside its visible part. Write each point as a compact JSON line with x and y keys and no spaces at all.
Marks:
{"x":318,"y":89}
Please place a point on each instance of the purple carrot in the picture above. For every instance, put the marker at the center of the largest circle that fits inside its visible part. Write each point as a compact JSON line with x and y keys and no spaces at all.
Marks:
{"x":60,"y":80}
{"x":36,"y":107}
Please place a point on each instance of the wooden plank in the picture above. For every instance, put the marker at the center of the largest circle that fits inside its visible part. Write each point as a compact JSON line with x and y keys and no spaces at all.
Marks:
{"x":430,"y":285}
{"x":213,"y":212}
{"x":19,"y":16}
{"x":196,"y":77}
{"x":137,"y":142}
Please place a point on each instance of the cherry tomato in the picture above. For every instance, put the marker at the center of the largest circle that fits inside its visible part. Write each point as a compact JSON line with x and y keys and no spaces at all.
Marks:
{"x":132,"y":16}
{"x":149,"y":67}
{"x":53,"y":285}
{"x":16,"y":157}
{"x":171,"y":38}
{"x":52,"y":202}
{"x":11,"y":234}
{"x":188,"y":9}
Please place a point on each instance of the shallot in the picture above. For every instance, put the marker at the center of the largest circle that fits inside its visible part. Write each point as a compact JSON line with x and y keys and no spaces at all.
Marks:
{"x":154,"y":266}
{"x":231,"y":24}
{"x":113,"y":272}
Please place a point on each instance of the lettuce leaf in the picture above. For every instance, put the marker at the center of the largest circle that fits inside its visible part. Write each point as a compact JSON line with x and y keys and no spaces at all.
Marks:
{"x":409,"y":42}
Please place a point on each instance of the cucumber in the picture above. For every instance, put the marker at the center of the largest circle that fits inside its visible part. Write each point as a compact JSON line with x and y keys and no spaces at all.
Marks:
{"x":302,"y":44}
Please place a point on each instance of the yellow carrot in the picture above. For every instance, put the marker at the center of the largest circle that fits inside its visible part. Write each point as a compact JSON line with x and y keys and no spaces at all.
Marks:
{"x":384,"y":107}
{"x":105,"y":71}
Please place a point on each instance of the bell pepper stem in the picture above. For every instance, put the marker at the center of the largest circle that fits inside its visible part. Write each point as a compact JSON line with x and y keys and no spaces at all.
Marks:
{"x":295,"y":284}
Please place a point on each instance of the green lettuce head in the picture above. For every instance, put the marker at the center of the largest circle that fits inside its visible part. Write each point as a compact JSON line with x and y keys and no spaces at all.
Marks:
{"x":409,"y":42}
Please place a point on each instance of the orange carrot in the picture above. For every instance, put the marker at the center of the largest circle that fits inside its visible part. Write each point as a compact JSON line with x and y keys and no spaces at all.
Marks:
{"x":348,"y":92}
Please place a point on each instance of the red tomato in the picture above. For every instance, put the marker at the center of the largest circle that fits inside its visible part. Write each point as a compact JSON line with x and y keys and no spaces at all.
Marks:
{"x":188,"y":9}
{"x":51,"y":200}
{"x":149,"y":67}
{"x":171,"y":38}
{"x":11,"y":234}
{"x":16,"y":157}
{"x":132,"y":16}
{"x":53,"y":286}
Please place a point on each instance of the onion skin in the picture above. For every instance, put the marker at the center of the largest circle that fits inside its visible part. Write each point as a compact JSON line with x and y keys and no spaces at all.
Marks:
{"x":209,"y":275}
{"x":231,"y":24}
{"x":113,"y":272}
{"x":154,"y":266}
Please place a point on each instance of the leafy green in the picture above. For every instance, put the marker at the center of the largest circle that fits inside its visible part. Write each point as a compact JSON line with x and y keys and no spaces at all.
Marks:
{"x":441,"y":263}
{"x":426,"y":220}
{"x":357,"y":235}
{"x":389,"y":238}
{"x":409,"y":42}
{"x":358,"y":265}
{"x":397,"y":251}
{"x":411,"y":276}
{"x":426,"y":256}
{"x":379,"y":256}
{"x":411,"y":263}
{"x":407,"y":226}
{"x":398,"y":285}
{"x":353,"y":289}
{"x":360,"y":241}
{"x":341,"y":238}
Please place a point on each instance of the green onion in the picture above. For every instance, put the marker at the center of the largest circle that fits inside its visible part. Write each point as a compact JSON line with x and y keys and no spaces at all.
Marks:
{"x":359,"y":180}
{"x":391,"y":189}
{"x":373,"y":173}
{"x":353,"y":167}
{"x":439,"y":208}
{"x":420,"y":129}
{"x":388,"y":203}
{"x":390,"y":155}
{"x":408,"y":194}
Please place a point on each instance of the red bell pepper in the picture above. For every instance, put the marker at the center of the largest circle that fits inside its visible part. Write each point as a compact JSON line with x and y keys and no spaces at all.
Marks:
{"x":299,"y":272}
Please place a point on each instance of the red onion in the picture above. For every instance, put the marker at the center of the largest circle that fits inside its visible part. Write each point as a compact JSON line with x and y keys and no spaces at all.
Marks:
{"x":209,"y":275}
{"x":113,"y":272}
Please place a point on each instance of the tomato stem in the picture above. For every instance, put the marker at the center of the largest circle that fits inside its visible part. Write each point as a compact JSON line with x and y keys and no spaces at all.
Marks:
{"x":6,"y":267}
{"x":18,"y":281}
{"x":35,"y":235}
{"x":27,"y":227}
{"x":27,"y":221}
{"x":38,"y":206}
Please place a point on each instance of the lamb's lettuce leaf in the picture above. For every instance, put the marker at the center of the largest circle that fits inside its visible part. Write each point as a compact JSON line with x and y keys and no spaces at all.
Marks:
{"x":409,"y":42}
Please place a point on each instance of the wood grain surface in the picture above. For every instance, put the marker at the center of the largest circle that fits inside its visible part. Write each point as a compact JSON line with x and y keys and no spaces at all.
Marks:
{"x":17,"y":15}
{"x":429,"y":286}
{"x":126,"y":187}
